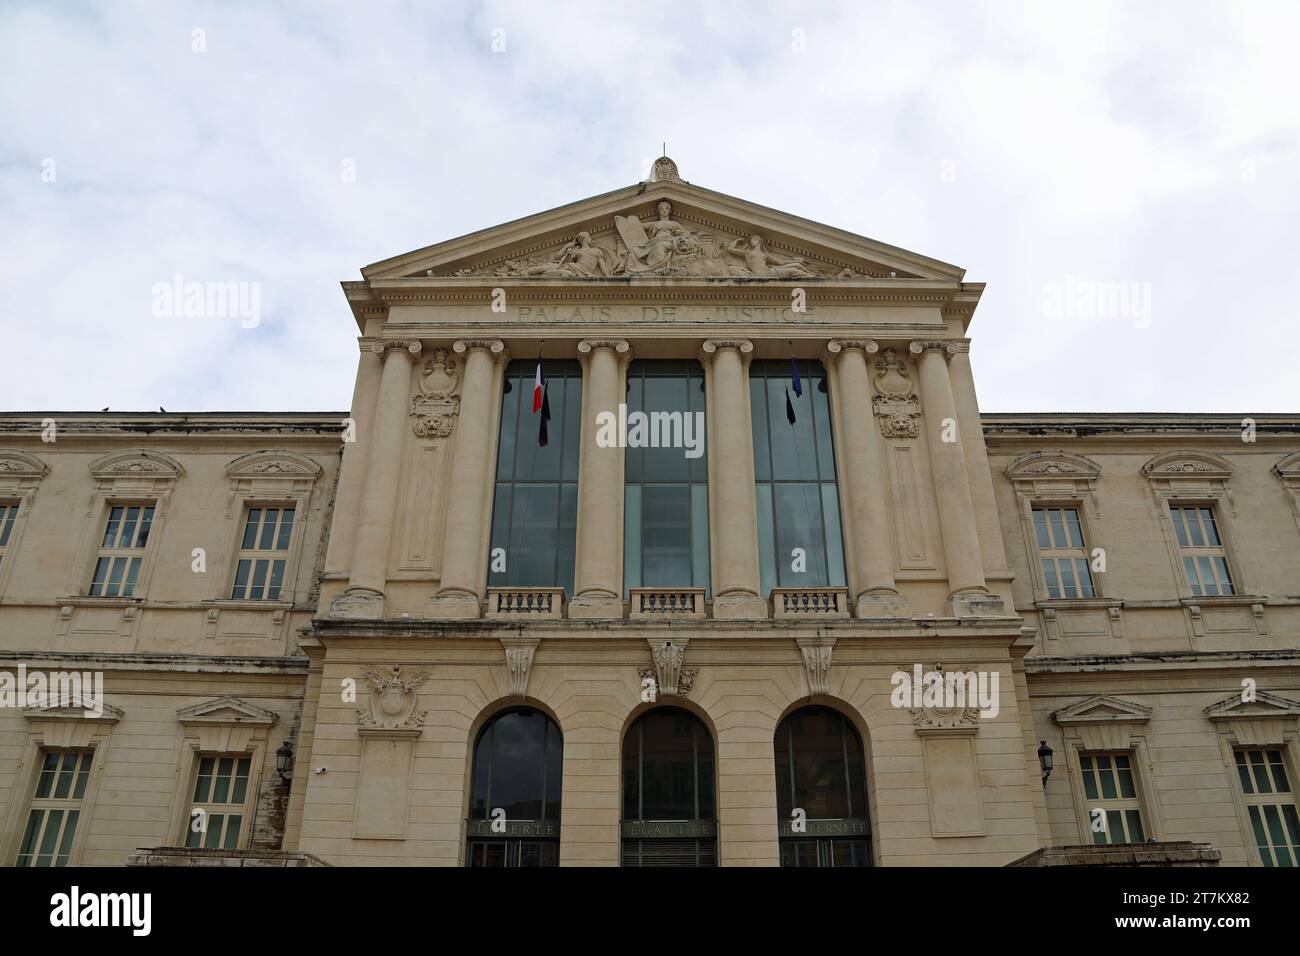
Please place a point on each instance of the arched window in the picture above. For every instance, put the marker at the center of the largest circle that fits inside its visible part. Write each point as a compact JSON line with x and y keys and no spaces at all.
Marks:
{"x":514,"y":806}
{"x":821,"y":771}
{"x":669,"y":812}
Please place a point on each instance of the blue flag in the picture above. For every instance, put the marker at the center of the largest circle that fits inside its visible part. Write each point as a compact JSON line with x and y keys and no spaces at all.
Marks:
{"x":794,"y":378}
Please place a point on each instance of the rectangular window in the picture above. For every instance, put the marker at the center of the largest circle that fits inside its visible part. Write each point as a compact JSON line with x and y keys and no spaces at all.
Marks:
{"x":220,"y":795}
{"x":800,"y":541}
{"x":121,"y":551}
{"x":665,"y":493}
{"x":1062,"y":553}
{"x":1271,"y":806}
{"x":8,"y":515}
{"x":263,"y":551}
{"x":535,"y":508}
{"x":56,"y":808}
{"x":1205,"y":562}
{"x":1109,"y":787}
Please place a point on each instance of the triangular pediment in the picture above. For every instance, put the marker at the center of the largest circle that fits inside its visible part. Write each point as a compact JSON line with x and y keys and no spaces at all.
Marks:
{"x":626,"y":235}
{"x":80,"y":709}
{"x":1263,"y":704}
{"x":226,"y":710}
{"x":1102,"y":709}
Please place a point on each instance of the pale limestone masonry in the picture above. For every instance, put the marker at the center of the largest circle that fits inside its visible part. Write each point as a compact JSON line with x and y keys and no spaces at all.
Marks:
{"x":386,"y":653}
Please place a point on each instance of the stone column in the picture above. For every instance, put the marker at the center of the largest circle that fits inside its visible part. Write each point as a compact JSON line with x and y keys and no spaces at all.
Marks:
{"x":597,"y":589}
{"x":364,"y":597}
{"x":734,"y":520}
{"x":464,"y":556}
{"x":347,"y":500}
{"x":872,"y":591}
{"x":961,"y":545}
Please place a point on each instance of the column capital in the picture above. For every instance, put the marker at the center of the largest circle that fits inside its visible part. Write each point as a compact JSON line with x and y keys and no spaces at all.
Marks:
{"x":945,"y":348}
{"x":495,"y":348}
{"x":712,"y":346}
{"x":836,"y":347}
{"x":620,"y":346}
{"x":382,"y":347}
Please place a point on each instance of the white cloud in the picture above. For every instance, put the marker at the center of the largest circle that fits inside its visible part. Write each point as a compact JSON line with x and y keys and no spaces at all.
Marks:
{"x":1151,"y":143}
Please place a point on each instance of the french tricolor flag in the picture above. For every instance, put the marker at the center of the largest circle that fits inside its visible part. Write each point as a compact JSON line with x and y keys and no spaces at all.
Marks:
{"x":541,"y":403}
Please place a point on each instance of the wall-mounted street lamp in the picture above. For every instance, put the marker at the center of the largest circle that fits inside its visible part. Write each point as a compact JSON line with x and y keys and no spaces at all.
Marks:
{"x":284,"y":762}
{"x":1045,"y":760}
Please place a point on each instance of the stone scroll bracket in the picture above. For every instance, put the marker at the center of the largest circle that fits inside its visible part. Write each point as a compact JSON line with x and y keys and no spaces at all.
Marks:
{"x":667,"y":667}
{"x":519,"y":653}
{"x":816,"y":653}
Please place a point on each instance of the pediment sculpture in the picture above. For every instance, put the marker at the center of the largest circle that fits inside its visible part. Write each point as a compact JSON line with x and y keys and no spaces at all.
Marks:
{"x":662,"y":247}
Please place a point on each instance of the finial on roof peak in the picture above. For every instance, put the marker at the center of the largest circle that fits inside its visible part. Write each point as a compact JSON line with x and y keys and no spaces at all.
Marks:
{"x":664,"y":170}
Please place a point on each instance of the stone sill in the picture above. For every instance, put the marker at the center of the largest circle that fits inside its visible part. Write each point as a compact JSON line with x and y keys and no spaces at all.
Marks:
{"x":1181,"y":853}
{"x":184,"y":856}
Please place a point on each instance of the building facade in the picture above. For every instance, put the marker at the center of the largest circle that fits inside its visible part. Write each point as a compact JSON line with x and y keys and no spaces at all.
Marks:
{"x":664,"y":529}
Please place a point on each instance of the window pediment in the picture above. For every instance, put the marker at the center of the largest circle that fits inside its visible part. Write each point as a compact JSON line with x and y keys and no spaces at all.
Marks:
{"x":1264,"y":705}
{"x":1102,"y":709}
{"x":75,"y":711}
{"x":226,"y":711}
{"x":15,"y":464}
{"x":1197,"y":465}
{"x":1040,"y":465}
{"x":264,"y":465}
{"x":136,"y":463}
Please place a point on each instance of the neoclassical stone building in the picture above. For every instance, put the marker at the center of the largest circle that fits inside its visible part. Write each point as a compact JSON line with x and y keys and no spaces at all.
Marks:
{"x":677,"y":628}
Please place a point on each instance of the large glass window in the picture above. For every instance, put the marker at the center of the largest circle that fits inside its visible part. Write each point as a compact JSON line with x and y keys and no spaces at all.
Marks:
{"x":666,"y":492}
{"x":1205,"y":560}
{"x":1062,"y":551}
{"x":263,"y":550}
{"x":220,"y":801}
{"x":821,"y":773}
{"x":8,"y":515}
{"x":1109,"y":786}
{"x":514,"y":806}
{"x":1271,"y":805}
{"x":534,"y":514}
{"x":56,"y":808}
{"x":117,"y":567}
{"x":799,"y":538}
{"x":669,"y":812}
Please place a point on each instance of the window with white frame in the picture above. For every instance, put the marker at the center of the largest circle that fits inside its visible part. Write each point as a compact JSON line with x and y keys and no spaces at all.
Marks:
{"x":1205,"y":560}
{"x":8,"y":515}
{"x":1270,"y":804}
{"x":263,"y":553}
{"x":1109,"y":786}
{"x":1062,"y":552}
{"x":121,"y":552}
{"x":56,"y":808}
{"x":220,"y":797}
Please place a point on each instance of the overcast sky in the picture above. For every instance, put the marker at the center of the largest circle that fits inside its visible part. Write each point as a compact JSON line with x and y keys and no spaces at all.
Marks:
{"x":1123,"y":176}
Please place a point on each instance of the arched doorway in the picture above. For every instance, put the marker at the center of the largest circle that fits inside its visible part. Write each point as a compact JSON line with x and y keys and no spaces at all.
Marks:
{"x":514,"y":806}
{"x":669,"y":806}
{"x":821,"y":771}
